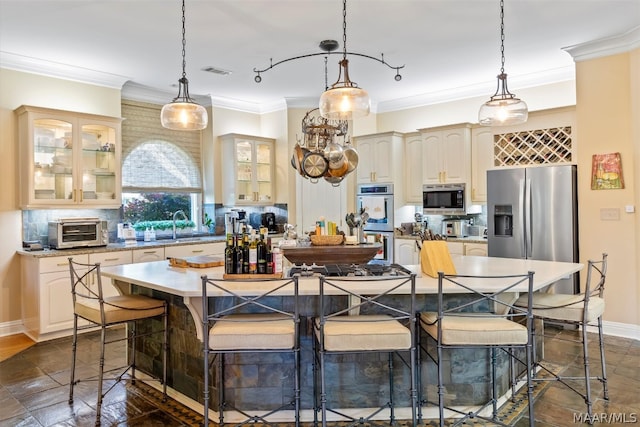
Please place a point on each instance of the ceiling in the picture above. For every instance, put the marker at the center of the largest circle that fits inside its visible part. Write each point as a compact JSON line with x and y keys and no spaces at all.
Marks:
{"x":449,"y":48}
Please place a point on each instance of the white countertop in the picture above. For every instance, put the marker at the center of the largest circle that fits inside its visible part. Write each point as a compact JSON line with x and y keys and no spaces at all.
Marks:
{"x":186,"y":282}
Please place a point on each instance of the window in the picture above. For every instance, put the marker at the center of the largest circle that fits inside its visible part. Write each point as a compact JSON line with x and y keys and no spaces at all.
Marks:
{"x":160,"y":169}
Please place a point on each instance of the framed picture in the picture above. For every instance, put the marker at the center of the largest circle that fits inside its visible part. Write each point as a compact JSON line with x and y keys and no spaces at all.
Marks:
{"x":606,"y":172}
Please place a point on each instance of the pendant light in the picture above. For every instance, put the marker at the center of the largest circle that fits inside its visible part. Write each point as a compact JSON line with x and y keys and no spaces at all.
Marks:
{"x":344,"y":100}
{"x":183,"y":113}
{"x":503,"y":108}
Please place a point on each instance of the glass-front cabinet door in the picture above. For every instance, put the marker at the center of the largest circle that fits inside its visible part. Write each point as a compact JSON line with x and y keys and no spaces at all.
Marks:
{"x":68,"y":159}
{"x":249,"y":178}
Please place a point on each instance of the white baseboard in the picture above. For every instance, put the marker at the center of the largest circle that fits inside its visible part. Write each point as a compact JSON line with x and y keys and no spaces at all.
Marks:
{"x":616,"y":329}
{"x":11,"y":328}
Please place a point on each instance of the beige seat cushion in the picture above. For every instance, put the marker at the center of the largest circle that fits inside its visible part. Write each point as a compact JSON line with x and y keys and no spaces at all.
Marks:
{"x":134,"y":307}
{"x":269,"y":331}
{"x":474,"y":330}
{"x":364,"y":332}
{"x":543,"y":304}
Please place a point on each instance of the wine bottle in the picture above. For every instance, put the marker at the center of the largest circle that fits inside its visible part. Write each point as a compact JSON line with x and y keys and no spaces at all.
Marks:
{"x":228,"y":255}
{"x":262,"y":255}
{"x":253,"y":254}
{"x":245,"y":253}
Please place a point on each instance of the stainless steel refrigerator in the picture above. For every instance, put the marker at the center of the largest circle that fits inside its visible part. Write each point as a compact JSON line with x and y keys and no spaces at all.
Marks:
{"x":532,"y":213}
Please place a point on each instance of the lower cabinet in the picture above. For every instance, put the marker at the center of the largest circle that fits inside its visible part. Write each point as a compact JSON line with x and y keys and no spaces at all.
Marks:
{"x":478,"y":249}
{"x":200,"y":249}
{"x":406,"y":252}
{"x":47,"y":306}
{"x":107,"y":259}
{"x":147,"y":255}
{"x":456,"y":248}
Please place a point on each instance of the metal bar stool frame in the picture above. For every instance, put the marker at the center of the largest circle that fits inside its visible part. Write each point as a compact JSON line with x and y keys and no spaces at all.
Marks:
{"x":596,"y":271}
{"x":84,"y":294}
{"x":359,"y":300}
{"x":241,"y":304}
{"x":501,"y":309}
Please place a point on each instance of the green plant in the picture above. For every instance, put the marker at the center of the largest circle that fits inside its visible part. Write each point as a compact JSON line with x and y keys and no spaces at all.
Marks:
{"x":162,"y":225}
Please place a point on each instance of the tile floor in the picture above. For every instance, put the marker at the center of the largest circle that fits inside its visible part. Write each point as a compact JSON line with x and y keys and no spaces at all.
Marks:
{"x":34,"y":389}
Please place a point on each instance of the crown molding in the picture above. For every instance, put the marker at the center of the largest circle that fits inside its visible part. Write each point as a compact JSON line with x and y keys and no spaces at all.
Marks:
{"x":27,"y":64}
{"x":620,"y":43}
{"x":485,"y":89}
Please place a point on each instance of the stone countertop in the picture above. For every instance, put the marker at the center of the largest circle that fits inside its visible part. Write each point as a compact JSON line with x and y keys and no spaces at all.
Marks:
{"x":468,"y":239}
{"x":113,"y":247}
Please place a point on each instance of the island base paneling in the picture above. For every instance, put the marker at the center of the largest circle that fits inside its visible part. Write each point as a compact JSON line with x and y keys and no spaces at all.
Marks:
{"x":358,"y":381}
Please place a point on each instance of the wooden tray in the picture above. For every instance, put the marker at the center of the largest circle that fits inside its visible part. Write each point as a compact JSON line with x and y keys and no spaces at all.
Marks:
{"x":252,"y":276}
{"x":323,"y":255}
{"x":202,"y":261}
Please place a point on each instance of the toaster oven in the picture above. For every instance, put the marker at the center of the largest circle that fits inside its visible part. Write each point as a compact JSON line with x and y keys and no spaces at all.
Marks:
{"x":67,"y":233}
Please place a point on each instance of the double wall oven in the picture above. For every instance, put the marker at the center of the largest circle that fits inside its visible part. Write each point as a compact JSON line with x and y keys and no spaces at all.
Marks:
{"x":377,"y":201}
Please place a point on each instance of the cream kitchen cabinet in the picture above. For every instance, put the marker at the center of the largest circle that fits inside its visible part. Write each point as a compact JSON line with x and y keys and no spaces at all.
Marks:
{"x":47,"y":307}
{"x":107,"y":259}
{"x":478,"y":249}
{"x":379,"y":158}
{"x":68,"y":159}
{"x":446,"y":154}
{"x":248,"y":172}
{"x":456,"y":248}
{"x":199,"y":249}
{"x":413,"y":168}
{"x":147,"y":255}
{"x":481,"y":161}
{"x":406,"y":252}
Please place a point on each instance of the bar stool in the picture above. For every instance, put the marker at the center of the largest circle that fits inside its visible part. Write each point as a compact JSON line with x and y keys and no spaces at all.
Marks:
{"x":483,"y":320}
{"x":105,"y":312}
{"x":579,"y":310}
{"x":244,"y":321}
{"x":365,"y":322}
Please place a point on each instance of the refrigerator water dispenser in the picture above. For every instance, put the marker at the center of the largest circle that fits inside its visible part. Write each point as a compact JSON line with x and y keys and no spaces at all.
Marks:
{"x":503,"y":220}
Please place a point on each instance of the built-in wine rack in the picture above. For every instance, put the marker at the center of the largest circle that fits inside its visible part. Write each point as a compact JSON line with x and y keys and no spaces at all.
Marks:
{"x":539,"y":146}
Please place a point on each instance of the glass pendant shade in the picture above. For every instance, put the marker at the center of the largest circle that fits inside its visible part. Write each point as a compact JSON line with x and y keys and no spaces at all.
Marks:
{"x":183,"y":113}
{"x":344,"y":100}
{"x":184,"y":116}
{"x":503,"y":109}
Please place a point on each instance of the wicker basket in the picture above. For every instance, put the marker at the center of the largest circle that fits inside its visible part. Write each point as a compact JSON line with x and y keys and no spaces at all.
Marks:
{"x":326,"y":240}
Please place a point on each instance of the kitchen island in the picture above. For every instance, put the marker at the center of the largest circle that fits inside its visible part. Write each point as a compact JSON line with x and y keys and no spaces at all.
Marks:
{"x":181,"y":287}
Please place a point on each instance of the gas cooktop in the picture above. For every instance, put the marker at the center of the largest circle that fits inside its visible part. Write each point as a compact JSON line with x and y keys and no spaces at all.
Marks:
{"x":349,"y":270}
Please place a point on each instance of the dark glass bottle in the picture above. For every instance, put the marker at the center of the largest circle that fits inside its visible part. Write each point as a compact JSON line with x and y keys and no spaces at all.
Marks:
{"x":262,"y":255}
{"x":245,"y":253}
{"x":237,"y":254}
{"x":228,"y":255}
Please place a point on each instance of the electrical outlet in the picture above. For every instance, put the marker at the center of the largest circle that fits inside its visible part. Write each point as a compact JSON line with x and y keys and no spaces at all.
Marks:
{"x":610,"y":214}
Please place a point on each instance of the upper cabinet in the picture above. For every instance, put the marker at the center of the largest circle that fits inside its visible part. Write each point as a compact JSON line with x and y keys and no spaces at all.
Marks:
{"x":248,"y":170}
{"x":481,"y":161}
{"x":446,"y":154}
{"x":379,"y":157}
{"x":413,"y":168}
{"x":68,"y":159}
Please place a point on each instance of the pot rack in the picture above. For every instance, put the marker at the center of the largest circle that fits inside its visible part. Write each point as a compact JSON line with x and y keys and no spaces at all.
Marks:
{"x":319,"y":154}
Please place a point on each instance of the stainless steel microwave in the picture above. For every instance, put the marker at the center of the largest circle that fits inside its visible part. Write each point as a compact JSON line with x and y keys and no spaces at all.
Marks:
{"x":67,"y":233}
{"x":443,"y":199}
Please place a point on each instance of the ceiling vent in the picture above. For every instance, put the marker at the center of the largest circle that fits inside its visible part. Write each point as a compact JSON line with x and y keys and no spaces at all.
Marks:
{"x":215,"y":70}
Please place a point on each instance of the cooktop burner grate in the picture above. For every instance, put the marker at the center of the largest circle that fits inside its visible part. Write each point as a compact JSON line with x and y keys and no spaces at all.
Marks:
{"x":349,"y":270}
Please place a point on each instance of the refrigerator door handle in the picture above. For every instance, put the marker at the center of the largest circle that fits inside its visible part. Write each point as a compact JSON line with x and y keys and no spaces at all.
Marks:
{"x":521,"y":203}
{"x":528,"y":220}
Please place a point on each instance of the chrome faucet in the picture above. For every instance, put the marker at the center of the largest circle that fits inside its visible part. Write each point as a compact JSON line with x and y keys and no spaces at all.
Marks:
{"x":175,"y":216}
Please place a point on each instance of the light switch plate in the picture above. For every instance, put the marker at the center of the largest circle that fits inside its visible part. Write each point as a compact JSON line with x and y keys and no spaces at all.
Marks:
{"x":610,"y":214}
{"x":629,"y":209}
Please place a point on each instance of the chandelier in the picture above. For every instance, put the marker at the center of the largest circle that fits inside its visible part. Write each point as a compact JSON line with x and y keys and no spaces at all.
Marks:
{"x":319,"y":154}
{"x":344,"y":100}
{"x":183,"y":113}
{"x":503,"y":108}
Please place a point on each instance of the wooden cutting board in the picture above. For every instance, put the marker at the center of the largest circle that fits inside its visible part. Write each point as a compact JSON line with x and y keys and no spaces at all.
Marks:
{"x":202,"y":261}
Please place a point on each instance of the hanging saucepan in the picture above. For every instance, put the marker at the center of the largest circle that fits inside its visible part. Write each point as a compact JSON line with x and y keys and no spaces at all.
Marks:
{"x":338,"y":172}
{"x":334,"y":154}
{"x":334,"y":180}
{"x":351,"y":158}
{"x":314,"y":164}
{"x":300,"y":152}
